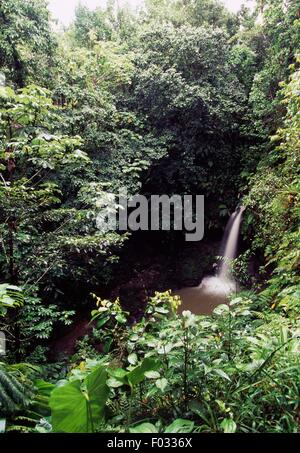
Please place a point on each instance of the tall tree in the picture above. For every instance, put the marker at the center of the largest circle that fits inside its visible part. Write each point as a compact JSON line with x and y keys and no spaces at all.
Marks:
{"x":27,"y":45}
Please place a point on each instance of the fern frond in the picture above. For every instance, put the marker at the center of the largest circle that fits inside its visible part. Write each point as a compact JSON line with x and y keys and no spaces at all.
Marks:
{"x":20,"y":429}
{"x":13,"y":393}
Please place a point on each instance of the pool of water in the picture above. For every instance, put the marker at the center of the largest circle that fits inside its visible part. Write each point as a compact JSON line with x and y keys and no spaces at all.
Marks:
{"x":202,"y":299}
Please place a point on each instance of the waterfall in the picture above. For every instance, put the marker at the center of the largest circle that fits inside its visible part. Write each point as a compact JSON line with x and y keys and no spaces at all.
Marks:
{"x":214,"y":290}
{"x":230,"y":243}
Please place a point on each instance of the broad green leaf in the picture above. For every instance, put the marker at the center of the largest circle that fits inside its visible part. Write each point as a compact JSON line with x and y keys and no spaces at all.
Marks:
{"x":121,"y":319}
{"x":221,"y":310}
{"x":101,"y":322}
{"x":97,"y":392}
{"x":144,"y":428}
{"x":107,"y":345}
{"x":118,"y":373}
{"x":161,"y":384}
{"x":132,"y":359}
{"x":152,"y":374}
{"x":228,"y":425}
{"x":114,"y":383}
{"x":75,"y":410}
{"x":138,"y":374}
{"x":69,"y":409}
{"x":180,"y":426}
{"x":44,"y":388}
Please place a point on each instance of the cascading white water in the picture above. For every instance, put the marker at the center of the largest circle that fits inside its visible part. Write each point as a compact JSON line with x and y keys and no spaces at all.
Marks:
{"x":230,"y":243}
{"x":214,"y":290}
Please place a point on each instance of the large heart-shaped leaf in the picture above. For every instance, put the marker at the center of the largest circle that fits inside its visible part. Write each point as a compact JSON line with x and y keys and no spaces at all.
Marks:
{"x":77,"y":407}
{"x":69,"y":409}
{"x":97,"y":393}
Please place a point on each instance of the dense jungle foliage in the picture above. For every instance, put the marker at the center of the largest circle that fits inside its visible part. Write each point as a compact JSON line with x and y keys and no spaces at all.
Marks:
{"x":175,"y":98}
